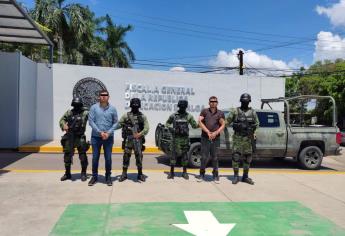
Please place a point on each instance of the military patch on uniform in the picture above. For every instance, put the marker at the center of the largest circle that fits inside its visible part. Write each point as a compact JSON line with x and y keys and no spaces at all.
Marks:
{"x":87,"y":89}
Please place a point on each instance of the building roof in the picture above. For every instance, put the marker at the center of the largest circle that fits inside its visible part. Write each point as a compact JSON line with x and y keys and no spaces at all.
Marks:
{"x":17,"y":26}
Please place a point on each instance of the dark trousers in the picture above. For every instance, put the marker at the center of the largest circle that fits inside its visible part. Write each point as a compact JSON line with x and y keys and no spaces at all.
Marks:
{"x":209,"y":152}
{"x":97,"y":143}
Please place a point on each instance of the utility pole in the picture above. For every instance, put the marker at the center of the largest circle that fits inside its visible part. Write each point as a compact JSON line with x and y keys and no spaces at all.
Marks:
{"x":240,"y":58}
{"x":60,"y":46}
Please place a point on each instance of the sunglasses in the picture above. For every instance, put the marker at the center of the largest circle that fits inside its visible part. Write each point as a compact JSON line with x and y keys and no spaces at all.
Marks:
{"x":214,"y":101}
{"x":104,"y":95}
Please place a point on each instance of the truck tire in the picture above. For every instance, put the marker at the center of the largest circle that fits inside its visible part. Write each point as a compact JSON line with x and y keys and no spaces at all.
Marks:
{"x":158,"y":135}
{"x":310,"y":158}
{"x":194,"y":155}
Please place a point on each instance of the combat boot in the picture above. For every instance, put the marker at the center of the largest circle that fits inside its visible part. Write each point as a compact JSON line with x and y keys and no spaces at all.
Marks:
{"x":201,"y":176}
{"x":215,"y":175}
{"x":184,"y":173}
{"x":171,"y":175}
{"x":141,"y":176}
{"x":246,"y":179}
{"x":67,"y":174}
{"x":123,"y":176}
{"x":83,"y":175}
{"x":236,"y":178}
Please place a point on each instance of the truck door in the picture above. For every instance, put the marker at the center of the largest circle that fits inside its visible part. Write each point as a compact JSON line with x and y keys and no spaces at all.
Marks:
{"x":271,"y":135}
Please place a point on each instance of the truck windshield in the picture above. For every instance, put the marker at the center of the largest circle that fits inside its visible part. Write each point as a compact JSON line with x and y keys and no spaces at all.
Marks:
{"x":268,"y":119}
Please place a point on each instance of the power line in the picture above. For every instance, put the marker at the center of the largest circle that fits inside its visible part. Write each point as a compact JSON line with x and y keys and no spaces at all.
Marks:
{"x":202,"y":32}
{"x":223,"y":28}
{"x":210,"y":26}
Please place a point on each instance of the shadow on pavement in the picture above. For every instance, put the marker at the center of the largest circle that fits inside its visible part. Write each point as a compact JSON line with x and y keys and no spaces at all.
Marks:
{"x":273,"y":163}
{"x":7,"y":158}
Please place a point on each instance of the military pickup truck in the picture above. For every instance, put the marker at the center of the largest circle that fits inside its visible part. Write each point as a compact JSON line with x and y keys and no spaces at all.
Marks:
{"x":278,"y":136}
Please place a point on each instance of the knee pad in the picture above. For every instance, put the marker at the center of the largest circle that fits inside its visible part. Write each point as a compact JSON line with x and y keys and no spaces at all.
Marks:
{"x":127,"y":155}
{"x":236,"y":157}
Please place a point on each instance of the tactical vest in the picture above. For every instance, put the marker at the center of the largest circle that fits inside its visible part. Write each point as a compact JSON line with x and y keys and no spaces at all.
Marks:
{"x":126,"y":129}
{"x":244,"y":125}
{"x":75,"y":122}
{"x":180,"y":124}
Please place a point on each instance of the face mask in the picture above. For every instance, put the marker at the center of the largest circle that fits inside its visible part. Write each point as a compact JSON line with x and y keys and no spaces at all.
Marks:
{"x":135,"y":109}
{"x":182,"y":110}
{"x":244,"y":104}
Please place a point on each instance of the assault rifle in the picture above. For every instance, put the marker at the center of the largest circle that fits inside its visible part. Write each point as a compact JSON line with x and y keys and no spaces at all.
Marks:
{"x":137,"y":143}
{"x":69,"y":136}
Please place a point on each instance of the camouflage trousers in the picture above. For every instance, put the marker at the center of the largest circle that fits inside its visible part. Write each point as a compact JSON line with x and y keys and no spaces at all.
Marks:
{"x":241,"y":152}
{"x":128,"y":148}
{"x":69,"y":143}
{"x":180,"y":149}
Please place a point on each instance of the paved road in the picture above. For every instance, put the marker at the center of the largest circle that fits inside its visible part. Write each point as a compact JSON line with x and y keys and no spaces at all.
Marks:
{"x":34,"y":202}
{"x":42,"y":161}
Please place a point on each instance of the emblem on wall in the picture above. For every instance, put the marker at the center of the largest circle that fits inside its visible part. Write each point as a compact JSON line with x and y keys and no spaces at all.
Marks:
{"x":87,"y":89}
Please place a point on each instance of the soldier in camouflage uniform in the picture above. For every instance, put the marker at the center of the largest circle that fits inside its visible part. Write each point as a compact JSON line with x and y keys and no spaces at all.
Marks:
{"x":245,"y":123}
{"x":127,"y":122}
{"x":180,"y":131}
{"x":73,"y":122}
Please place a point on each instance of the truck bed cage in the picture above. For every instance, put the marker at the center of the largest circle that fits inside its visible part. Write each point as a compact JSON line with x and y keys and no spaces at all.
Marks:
{"x":301,"y":97}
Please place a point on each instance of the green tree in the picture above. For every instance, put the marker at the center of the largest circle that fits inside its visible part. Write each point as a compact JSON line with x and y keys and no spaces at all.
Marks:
{"x":72,"y":27}
{"x":322,"y":78}
{"x":117,"y":51}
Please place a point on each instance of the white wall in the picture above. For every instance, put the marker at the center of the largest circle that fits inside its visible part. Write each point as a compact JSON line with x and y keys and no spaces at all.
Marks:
{"x":27,"y":101}
{"x":9,"y":92}
{"x":44,"y":97}
{"x":227,"y":88}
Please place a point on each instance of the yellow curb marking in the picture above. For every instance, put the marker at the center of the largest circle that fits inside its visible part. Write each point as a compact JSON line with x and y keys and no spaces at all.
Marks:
{"x":58,"y":149}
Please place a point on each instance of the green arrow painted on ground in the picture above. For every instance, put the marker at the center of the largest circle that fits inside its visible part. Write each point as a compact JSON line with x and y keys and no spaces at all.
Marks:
{"x":203,"y":223}
{"x":253,"y":218}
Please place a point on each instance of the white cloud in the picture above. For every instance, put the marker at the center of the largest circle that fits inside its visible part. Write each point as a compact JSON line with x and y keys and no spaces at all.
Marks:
{"x":177,"y":69}
{"x":336,"y":13}
{"x":329,"y":46}
{"x":254,"y":60}
{"x":296,"y":64}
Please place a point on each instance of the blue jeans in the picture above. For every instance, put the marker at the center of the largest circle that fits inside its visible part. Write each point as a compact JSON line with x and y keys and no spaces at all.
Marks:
{"x":97,"y":143}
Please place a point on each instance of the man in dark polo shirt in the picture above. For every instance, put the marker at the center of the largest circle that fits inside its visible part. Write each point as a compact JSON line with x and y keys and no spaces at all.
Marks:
{"x":212,"y":123}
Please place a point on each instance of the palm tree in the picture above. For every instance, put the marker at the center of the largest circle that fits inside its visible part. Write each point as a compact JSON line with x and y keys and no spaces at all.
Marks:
{"x":117,"y":51}
{"x":72,"y":26}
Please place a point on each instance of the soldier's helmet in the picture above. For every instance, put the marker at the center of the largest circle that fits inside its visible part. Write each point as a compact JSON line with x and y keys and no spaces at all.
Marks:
{"x":245,"y":98}
{"x":77,"y":102}
{"x":135,"y":102}
{"x":182,"y":104}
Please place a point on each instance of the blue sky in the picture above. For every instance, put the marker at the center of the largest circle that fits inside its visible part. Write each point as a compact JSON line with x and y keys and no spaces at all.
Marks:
{"x":206,"y":28}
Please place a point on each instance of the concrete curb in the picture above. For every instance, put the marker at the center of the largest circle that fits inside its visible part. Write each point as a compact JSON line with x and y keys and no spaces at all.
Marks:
{"x":58,"y":149}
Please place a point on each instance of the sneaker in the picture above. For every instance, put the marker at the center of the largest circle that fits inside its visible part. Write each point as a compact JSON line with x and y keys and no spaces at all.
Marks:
{"x":215,"y":176}
{"x":66,"y":177}
{"x":92,"y":181}
{"x":201,"y":177}
{"x":108,"y":181}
